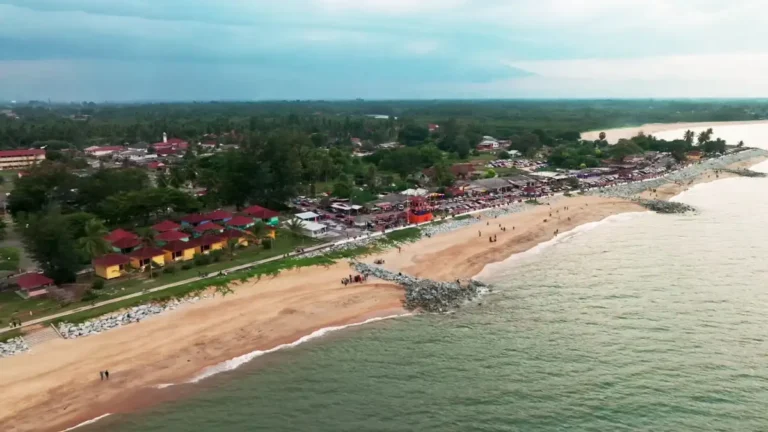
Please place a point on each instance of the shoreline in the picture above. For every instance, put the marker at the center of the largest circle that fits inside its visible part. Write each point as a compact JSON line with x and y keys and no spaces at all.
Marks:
{"x":613,"y":135}
{"x":263,"y":315}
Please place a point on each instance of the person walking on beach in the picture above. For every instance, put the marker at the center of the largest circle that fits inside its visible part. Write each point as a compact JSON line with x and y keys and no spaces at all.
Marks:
{"x":106,"y":374}
{"x":101,"y":373}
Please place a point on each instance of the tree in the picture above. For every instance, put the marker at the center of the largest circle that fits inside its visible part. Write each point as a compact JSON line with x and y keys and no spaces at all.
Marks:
{"x":49,"y":240}
{"x":489,"y":173}
{"x":413,"y":135}
{"x":504,"y":155}
{"x":92,"y":243}
{"x":462,"y":147}
{"x":443,"y":175}
{"x":602,"y":136}
{"x":231,"y":246}
{"x":688,"y":136}
{"x":625,"y":148}
{"x":3,"y":229}
{"x":147,"y":237}
{"x":258,"y":229}
{"x":705,"y":136}
{"x":295,"y":226}
{"x":740,"y":144}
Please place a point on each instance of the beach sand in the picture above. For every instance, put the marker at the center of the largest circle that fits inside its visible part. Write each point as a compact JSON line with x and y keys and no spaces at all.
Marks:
{"x":57,"y":384}
{"x":614,"y":135}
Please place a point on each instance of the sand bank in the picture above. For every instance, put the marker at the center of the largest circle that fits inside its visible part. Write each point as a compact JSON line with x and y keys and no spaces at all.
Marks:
{"x":614,"y":135}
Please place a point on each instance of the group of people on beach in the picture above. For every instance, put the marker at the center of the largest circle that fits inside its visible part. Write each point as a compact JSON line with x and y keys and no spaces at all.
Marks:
{"x":355,"y":279}
{"x":104,"y":375}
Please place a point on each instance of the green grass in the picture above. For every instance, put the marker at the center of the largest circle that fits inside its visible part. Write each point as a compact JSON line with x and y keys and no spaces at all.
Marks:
{"x":9,"y":258}
{"x":11,"y":304}
{"x":403,"y":236}
{"x":10,"y":335}
{"x":462,"y":217}
{"x":508,"y":172}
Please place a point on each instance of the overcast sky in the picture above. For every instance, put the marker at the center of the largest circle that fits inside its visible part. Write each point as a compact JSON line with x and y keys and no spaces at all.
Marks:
{"x":339,"y":49}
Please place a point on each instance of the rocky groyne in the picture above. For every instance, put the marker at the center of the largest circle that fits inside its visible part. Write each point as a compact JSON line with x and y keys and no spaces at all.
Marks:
{"x":666,"y":207}
{"x":13,"y":346}
{"x":424,"y":294}
{"x":117,"y":319}
{"x":744,"y":172}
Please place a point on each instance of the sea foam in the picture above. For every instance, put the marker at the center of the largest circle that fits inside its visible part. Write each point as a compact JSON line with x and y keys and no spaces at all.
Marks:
{"x":236,"y":362}
{"x":562,"y":237}
{"x":86,"y":423}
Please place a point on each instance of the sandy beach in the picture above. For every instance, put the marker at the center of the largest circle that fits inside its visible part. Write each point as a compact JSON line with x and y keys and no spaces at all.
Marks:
{"x":614,"y":135}
{"x":57,"y":384}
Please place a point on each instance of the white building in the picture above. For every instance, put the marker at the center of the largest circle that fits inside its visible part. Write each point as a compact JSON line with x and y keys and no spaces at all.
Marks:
{"x":313,"y":229}
{"x":308,"y":216}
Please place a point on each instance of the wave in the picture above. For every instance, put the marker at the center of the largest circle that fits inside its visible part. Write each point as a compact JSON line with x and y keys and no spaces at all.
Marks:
{"x":560,"y":238}
{"x":86,"y":423}
{"x":236,"y":362}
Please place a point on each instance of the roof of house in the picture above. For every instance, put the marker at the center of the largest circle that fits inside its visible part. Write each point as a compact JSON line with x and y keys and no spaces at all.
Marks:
{"x":30,"y":281}
{"x":155,"y":165}
{"x":491,"y":183}
{"x":146,"y":253}
{"x":170,"y":236}
{"x":178,"y":245}
{"x":233,"y":233}
{"x":312,"y":226}
{"x":110,"y":260}
{"x":165,"y":151}
{"x":104,"y":148}
{"x":126,"y":242}
{"x":209,"y":240}
{"x":307,"y":215}
{"x":260,"y":212}
{"x":208,"y":226}
{"x":218,"y":215}
{"x":24,"y":152}
{"x":239,"y":221}
{"x":195,"y":218}
{"x":166,"y":225}
{"x":119,"y":234}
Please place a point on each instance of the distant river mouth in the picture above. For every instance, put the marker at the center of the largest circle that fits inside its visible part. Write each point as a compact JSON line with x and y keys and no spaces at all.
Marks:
{"x":641,"y":322}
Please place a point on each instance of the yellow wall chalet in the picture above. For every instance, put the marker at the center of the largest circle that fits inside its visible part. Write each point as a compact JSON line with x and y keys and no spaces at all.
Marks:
{"x":110,"y":272}
{"x":187,"y":254}
{"x":159,"y":260}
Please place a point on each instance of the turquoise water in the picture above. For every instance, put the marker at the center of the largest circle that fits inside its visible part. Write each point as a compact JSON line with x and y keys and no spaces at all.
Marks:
{"x":643,"y":322}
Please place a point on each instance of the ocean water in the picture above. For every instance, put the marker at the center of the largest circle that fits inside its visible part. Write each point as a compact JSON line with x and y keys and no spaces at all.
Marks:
{"x":642,"y":322}
{"x":752,"y":134}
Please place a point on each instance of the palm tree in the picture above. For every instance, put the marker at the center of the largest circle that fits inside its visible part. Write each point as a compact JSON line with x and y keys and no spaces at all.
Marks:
{"x":147,"y":237}
{"x":231,"y":246}
{"x":602,"y":136}
{"x":93,"y":243}
{"x":295,"y":226}
{"x":688,"y":136}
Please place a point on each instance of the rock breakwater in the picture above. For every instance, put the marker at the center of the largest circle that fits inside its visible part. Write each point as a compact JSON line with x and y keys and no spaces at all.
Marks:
{"x":682,"y":176}
{"x":666,"y":207}
{"x":13,"y":346}
{"x":128,"y":316}
{"x":425,"y":294}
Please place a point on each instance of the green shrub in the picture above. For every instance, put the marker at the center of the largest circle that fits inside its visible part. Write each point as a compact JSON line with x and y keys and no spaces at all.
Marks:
{"x":98,"y":284}
{"x":201,"y":260}
{"x":186,"y":266}
{"x":216,"y":255}
{"x":267,"y":243}
{"x":90,"y":295}
{"x":169,"y":270}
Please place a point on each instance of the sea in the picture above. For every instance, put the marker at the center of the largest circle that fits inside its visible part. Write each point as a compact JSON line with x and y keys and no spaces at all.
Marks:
{"x":639,"y":322}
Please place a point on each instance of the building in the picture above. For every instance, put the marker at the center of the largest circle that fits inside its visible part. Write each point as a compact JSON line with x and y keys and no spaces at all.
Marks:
{"x":308,"y":216}
{"x":171,"y":236}
{"x":166,"y":225}
{"x":313,"y":229}
{"x":241,"y":222}
{"x":140,"y":258}
{"x":110,"y":266}
{"x":694,"y":156}
{"x":234,"y":234}
{"x":97,"y":151}
{"x":266,"y":215}
{"x":180,"y":250}
{"x":488,"y":143}
{"x":433,"y":128}
{"x":208,"y":227}
{"x":218,"y":216}
{"x":18,"y":159}
{"x":34,"y":285}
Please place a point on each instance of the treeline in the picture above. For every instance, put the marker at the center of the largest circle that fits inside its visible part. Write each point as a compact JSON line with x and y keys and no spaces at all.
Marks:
{"x":80,"y":125}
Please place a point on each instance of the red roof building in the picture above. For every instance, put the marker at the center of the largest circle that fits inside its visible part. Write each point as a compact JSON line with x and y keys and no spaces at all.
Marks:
{"x":434,"y":127}
{"x":146,"y":253}
{"x":170,"y":236}
{"x":104,"y":150}
{"x":260,"y":212}
{"x":33,"y":281}
{"x":110,"y":260}
{"x":208,"y":226}
{"x":165,"y":225}
{"x":126,"y":243}
{"x":239,"y":221}
{"x":178,"y":245}
{"x":119,"y":234}
{"x":19,"y":159}
{"x":193,"y":219}
{"x":165,"y":151}
{"x":218,"y":215}
{"x":233,"y":234}
{"x":155,"y":165}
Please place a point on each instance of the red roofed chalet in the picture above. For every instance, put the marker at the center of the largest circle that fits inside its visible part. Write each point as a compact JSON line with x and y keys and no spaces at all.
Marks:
{"x":260,"y":212}
{"x":33,"y":281}
{"x":165,"y":225}
{"x":119,"y":234}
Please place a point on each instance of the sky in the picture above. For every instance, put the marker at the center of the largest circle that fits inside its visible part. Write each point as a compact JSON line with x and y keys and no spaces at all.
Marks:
{"x":133,"y":50}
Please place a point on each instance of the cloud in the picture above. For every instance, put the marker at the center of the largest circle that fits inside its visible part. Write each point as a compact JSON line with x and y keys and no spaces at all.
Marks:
{"x":438,"y":48}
